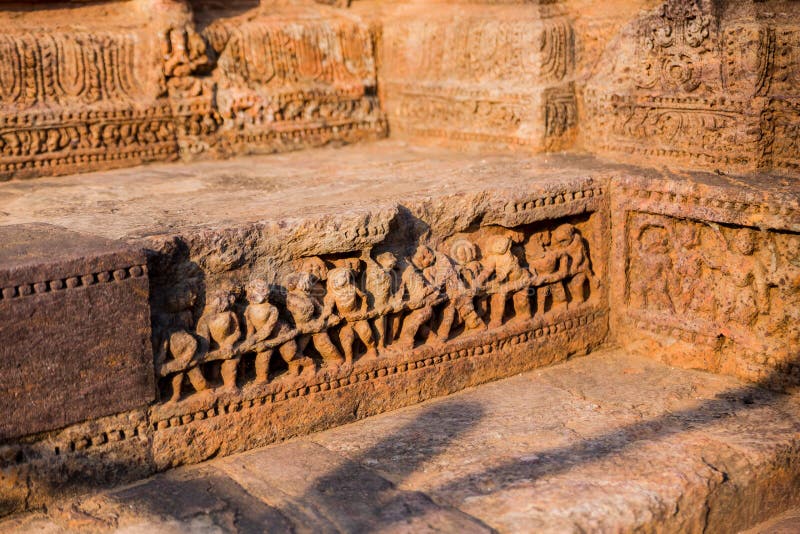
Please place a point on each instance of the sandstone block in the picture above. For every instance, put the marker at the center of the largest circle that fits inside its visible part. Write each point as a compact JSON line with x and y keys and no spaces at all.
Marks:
{"x":75,"y":325}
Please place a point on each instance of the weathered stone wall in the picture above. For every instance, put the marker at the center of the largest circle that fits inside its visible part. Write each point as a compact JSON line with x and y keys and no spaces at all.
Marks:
{"x":479,"y":75}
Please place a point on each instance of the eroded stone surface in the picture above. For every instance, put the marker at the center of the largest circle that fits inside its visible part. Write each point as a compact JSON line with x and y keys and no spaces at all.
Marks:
{"x":609,"y":442}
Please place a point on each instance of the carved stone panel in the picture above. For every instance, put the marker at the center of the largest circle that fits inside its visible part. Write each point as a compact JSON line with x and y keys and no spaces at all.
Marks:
{"x":477,"y":75}
{"x":715,"y":291}
{"x":75,"y":325}
{"x":695,"y":84}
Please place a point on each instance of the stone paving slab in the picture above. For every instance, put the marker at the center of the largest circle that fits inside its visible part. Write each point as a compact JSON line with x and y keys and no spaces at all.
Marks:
{"x":604,"y":443}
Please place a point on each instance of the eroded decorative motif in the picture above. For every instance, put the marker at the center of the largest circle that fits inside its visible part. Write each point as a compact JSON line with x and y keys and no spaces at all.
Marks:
{"x":491,"y":80}
{"x":97,"y":98}
{"x":329,"y":312}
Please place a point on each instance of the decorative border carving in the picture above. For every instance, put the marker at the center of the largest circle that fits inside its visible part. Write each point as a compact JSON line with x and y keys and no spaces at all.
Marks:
{"x":72,"y":282}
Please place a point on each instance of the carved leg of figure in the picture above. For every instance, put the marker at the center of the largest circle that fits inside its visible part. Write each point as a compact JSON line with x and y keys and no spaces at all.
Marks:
{"x":364,"y":332}
{"x":466,"y":310}
{"x":327,"y":349}
{"x":522,"y":305}
{"x":346,"y":339}
{"x":542,"y":294}
{"x":412,"y":324}
{"x":497,"y":308}
{"x":177,"y":381}
{"x":380,"y":327}
{"x":577,"y":286}
{"x":395,"y":320}
{"x":288,"y":352}
{"x":559,"y":295}
{"x":262,"y":366}
{"x":228,"y":371}
{"x":197,"y":379}
{"x":448,"y":316}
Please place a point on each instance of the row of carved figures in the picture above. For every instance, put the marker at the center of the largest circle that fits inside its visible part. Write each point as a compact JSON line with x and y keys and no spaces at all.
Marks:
{"x":732,"y":276}
{"x":367,"y":306}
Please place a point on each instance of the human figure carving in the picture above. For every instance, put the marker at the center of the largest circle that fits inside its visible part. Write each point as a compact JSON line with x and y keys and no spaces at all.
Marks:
{"x":184,"y":52}
{"x":382,"y":293}
{"x":459,"y":283}
{"x":306,"y":311}
{"x":420,"y":294}
{"x":502,"y":267}
{"x":550,"y":267}
{"x":580,"y":272}
{"x":261,"y":318}
{"x":693,"y":294}
{"x":182,"y":347}
{"x":741,"y":266}
{"x":650,"y":285}
{"x":350,"y":303}
{"x":218,"y":328}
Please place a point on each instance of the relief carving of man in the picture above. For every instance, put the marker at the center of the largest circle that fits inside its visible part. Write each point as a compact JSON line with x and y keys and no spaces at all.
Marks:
{"x":652,"y":270}
{"x":581,"y":277}
{"x":382,"y":293}
{"x":420,"y":293}
{"x":502,"y":267}
{"x":219,"y":329}
{"x":350,"y":302}
{"x":550,"y":267}
{"x":306,"y":311}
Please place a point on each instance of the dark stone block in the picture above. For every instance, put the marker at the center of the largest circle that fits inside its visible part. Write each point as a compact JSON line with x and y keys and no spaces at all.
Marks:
{"x":74,"y":328}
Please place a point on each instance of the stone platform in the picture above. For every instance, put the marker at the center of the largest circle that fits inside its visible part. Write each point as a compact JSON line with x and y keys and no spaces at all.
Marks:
{"x":596,"y":250}
{"x":607,"y":443}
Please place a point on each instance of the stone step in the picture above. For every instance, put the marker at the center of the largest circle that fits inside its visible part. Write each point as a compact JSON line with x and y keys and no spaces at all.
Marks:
{"x":607,"y":443}
{"x":504,"y":264}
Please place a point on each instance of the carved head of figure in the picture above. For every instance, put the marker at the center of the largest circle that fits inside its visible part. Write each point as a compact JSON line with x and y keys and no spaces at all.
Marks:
{"x":543,"y":239}
{"x":299,"y":283}
{"x":688,"y":235}
{"x":499,"y":245}
{"x":387,"y":260}
{"x":220,"y":301}
{"x":463,"y":252}
{"x":654,"y":240}
{"x":744,"y":242}
{"x":340,"y":280}
{"x":315,"y":267}
{"x":258,"y":291}
{"x":354,"y":264}
{"x":423,"y":257}
{"x":564,"y":234}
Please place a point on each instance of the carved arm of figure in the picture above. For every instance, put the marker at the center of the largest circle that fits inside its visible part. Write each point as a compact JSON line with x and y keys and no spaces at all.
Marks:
{"x":364,"y":300}
{"x":203,"y":332}
{"x":487,"y":272}
{"x":327,"y":307}
{"x":236,"y":332}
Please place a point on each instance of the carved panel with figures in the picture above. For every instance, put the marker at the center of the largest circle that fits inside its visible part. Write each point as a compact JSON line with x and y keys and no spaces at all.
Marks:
{"x":330,"y":312}
{"x":736,"y":287}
